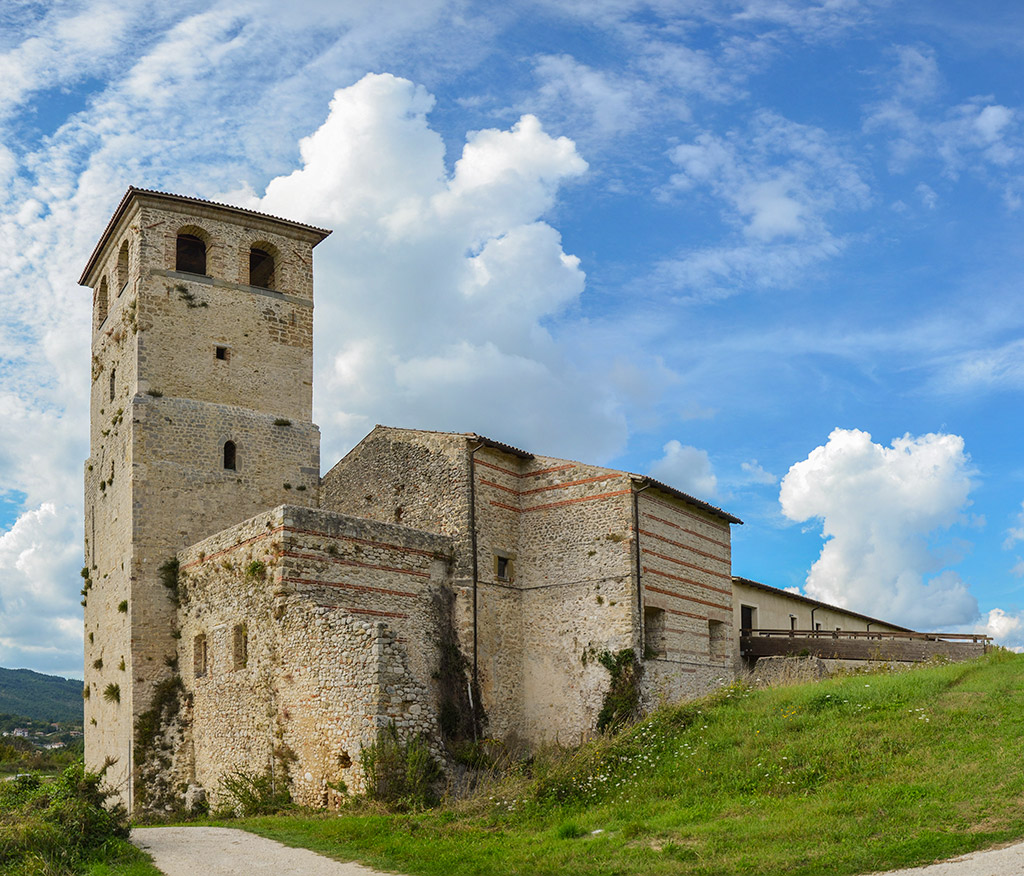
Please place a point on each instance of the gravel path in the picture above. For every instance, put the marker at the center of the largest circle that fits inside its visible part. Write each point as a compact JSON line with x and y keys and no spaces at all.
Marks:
{"x":1007,"y":861}
{"x":222,"y":851}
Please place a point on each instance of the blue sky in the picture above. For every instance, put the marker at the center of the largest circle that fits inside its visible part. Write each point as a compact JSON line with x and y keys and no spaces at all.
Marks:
{"x":766,"y":250}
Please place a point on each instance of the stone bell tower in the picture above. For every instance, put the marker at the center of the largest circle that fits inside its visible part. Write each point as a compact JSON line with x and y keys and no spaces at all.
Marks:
{"x":201,"y":417}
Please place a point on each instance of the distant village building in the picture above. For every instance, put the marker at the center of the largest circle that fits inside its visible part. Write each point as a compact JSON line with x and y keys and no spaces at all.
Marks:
{"x":242,"y":612}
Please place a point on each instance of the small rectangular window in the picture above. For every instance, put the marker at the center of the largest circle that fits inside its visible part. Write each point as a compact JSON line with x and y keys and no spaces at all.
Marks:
{"x":502,"y":567}
{"x":718,"y":640}
{"x":221,"y":353}
{"x":654,"y":632}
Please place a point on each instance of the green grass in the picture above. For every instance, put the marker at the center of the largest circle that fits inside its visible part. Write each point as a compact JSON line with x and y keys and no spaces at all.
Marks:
{"x":845,"y":776}
{"x":65,"y":825}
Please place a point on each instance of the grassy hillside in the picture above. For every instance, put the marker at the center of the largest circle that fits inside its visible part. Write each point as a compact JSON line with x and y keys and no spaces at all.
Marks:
{"x":42,"y":697}
{"x":845,"y":776}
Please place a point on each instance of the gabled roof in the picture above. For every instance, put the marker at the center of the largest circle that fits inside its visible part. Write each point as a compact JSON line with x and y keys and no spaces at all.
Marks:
{"x":497,"y":445}
{"x":134,"y":193}
{"x":642,"y":481}
{"x":645,"y":481}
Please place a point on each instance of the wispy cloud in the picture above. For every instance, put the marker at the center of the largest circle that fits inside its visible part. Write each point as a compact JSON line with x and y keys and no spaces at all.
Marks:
{"x":777,"y":184}
{"x":976,"y":135}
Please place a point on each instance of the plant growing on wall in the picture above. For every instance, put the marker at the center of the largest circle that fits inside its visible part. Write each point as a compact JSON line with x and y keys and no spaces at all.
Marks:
{"x":456,"y":714}
{"x":112,"y":693}
{"x":622,"y":701}
{"x":169,"y":572}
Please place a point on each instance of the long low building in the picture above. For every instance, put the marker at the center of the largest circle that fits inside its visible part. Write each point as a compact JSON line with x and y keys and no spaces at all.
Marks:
{"x":769,"y":622}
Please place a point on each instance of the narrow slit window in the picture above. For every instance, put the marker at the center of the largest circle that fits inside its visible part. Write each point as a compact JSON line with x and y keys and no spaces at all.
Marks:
{"x":199,"y":655}
{"x":122,"y":268}
{"x":654,"y":632}
{"x":113,"y":383}
{"x":190,"y":257}
{"x":261,"y":268}
{"x":240,"y":646}
{"x":102,"y":302}
{"x":230,"y":452}
{"x":718,"y":640}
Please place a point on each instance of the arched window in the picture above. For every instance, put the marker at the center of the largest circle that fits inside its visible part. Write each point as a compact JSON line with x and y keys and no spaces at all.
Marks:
{"x":261,"y":268}
{"x":102,"y":302}
{"x":229,"y":455}
{"x":122,"y":267}
{"x":190,"y":256}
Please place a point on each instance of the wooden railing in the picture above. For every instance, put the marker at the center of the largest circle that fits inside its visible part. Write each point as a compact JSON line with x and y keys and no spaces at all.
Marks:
{"x":862,"y":644}
{"x":976,"y":638}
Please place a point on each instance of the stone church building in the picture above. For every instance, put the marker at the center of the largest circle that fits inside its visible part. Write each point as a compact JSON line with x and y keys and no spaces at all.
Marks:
{"x":243,"y":612}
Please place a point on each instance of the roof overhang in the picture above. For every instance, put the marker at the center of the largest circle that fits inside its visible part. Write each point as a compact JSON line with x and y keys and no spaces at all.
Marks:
{"x":135,"y":195}
{"x":643,"y":482}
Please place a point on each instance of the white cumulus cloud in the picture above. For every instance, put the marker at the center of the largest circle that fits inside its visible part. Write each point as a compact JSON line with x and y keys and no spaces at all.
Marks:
{"x":686,"y":468}
{"x":437,"y":291}
{"x":882,"y":512}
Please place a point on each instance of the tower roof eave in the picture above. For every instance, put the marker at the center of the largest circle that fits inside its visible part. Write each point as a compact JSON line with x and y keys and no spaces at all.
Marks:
{"x":133,"y":194}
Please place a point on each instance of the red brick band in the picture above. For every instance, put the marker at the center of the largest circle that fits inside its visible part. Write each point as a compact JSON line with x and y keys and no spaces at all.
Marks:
{"x":563,"y":502}
{"x":375,"y":613}
{"x":343,"y":562}
{"x":685,"y":514}
{"x":362,"y":588}
{"x":529,"y":474}
{"x":654,"y":589}
{"x":680,"y":544}
{"x":692,"y":566}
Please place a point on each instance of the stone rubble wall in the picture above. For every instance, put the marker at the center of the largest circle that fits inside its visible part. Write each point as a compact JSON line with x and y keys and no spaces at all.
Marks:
{"x":566,"y":532}
{"x":565,"y":525}
{"x":109,"y":555}
{"x":417,"y":479}
{"x":339,"y":634}
{"x":685,"y":560}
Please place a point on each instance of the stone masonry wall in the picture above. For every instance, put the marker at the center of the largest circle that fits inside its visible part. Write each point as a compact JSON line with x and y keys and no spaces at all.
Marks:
{"x":192,"y":361}
{"x":557,"y":573}
{"x":108,"y":513}
{"x":417,"y":479}
{"x":685,"y":559}
{"x":338,"y":628}
{"x":565,"y":527}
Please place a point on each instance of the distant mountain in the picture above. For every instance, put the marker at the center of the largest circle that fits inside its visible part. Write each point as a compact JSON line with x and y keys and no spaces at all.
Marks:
{"x":43,"y":697}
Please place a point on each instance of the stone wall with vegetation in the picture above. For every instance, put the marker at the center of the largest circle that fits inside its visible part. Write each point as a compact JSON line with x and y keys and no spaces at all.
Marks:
{"x":303,"y":633}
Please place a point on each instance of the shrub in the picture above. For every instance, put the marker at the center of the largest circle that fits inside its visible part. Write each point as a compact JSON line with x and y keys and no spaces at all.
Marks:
{"x":401,"y":775}
{"x":244,"y":793}
{"x":58,"y":827}
{"x":112,"y":693}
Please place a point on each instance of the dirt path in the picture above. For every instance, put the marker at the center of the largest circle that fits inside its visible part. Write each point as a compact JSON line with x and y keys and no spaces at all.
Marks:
{"x":222,"y":851}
